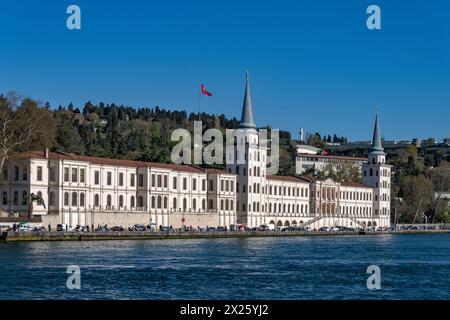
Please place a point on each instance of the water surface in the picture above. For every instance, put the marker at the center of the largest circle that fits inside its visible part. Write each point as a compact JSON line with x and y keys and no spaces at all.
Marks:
{"x":412,"y":267}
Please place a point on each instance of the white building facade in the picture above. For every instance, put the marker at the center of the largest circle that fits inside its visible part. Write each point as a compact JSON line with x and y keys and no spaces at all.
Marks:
{"x":81,"y":190}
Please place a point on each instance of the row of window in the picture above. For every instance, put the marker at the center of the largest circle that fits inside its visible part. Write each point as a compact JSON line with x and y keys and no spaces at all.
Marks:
{"x":290,"y":208}
{"x":15,"y":200}
{"x":24,"y":173}
{"x":157,"y":202}
{"x":384,"y":173}
{"x":348,"y":210}
{"x":354,"y":195}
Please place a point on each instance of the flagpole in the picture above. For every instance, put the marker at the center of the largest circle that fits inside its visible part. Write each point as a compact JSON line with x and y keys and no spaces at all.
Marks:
{"x":199,"y":99}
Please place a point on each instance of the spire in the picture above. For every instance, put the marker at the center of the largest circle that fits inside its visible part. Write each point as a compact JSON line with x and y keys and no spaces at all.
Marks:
{"x":377,"y":147}
{"x":247,"y":112}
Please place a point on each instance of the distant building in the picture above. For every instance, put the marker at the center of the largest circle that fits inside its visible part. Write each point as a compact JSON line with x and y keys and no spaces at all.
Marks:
{"x":310,"y":161}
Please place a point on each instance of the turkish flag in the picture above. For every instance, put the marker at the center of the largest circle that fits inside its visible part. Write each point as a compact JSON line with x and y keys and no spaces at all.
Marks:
{"x":205,"y":92}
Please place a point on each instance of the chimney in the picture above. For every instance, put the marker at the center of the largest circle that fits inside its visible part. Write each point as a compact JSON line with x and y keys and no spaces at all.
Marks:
{"x":46,"y":152}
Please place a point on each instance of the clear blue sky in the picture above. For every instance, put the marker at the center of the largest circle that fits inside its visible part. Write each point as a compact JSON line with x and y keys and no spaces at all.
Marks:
{"x":311,"y":63}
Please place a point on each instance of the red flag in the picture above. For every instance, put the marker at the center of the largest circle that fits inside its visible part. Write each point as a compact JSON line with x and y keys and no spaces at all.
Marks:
{"x":205,"y":92}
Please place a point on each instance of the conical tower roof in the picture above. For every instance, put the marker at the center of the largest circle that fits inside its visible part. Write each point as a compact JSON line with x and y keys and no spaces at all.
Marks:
{"x":377,"y":146}
{"x":247,"y":110}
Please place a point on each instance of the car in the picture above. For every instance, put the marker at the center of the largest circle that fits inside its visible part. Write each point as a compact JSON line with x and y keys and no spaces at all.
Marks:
{"x":334,"y":229}
{"x":324,"y":229}
{"x":79,"y":228}
{"x":138,"y":227}
{"x":25,"y":228}
{"x":63,"y":227}
{"x":164,"y":229}
{"x":117,"y":229}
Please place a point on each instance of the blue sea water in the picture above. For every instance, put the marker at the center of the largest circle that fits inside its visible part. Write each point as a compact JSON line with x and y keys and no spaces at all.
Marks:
{"x":412,"y":267}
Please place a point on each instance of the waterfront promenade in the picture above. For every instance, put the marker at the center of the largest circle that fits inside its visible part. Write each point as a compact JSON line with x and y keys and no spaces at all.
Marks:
{"x":156,"y":235}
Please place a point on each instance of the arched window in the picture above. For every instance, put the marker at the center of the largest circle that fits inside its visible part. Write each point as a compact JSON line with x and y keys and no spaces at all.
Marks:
{"x":108,"y":201}
{"x":132,"y":203}
{"x":96,"y":200}
{"x":120,"y":201}
{"x":82,"y":199}
{"x":227,"y":205}
{"x":203,"y":204}
{"x":51,"y":199}
{"x":66,"y":199}
{"x":211,"y":204}
{"x":174,"y":203}
{"x":194,"y":204}
{"x":16,"y":198}
{"x":74,"y":199}
{"x":24,"y":197}
{"x":232,"y":205}
{"x":159,"y":202}
{"x":153,"y":202}
{"x":5,"y":198}
{"x":184,"y":204}
{"x":16,"y":173}
{"x":165,"y":202}
{"x":140,"y":201}
{"x":221,"y":204}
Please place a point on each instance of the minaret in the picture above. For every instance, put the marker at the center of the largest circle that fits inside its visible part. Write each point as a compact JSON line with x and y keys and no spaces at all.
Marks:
{"x":250,"y":167}
{"x":301,"y":135}
{"x":377,"y":174}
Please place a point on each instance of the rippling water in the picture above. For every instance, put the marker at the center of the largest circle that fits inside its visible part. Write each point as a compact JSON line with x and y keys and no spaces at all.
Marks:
{"x":412,"y":267}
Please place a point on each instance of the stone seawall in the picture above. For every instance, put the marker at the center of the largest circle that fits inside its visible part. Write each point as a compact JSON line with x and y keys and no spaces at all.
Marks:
{"x":127,"y":235}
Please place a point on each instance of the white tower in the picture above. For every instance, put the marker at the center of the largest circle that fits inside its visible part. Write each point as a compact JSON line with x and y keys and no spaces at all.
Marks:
{"x":377,"y":174}
{"x":301,"y":135}
{"x":250,"y":167}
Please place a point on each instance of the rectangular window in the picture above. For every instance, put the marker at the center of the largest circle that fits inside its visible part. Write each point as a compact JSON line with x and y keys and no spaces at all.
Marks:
{"x":204,"y":185}
{"x":97,"y":177}
{"x":184,"y":183}
{"x":52,"y":174}
{"x":194,"y":184}
{"x":153,"y":180}
{"x":211,"y":185}
{"x":39,"y":173}
{"x":25,"y":174}
{"x":221,"y":185}
{"x":82,"y":175}
{"x":141,"y":180}
{"x":121,"y":179}
{"x":159,"y":181}
{"x":174,"y":186}
{"x":109,"y":178}
{"x":132,"y":180}
{"x":166,"y":181}
{"x":66,"y":174}
{"x":74,"y":175}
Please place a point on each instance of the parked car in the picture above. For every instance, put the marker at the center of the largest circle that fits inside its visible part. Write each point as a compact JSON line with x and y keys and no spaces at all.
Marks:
{"x":117,"y":229}
{"x":324,"y":229}
{"x":25,"y":228}
{"x":138,"y":227}
{"x":79,"y":228}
